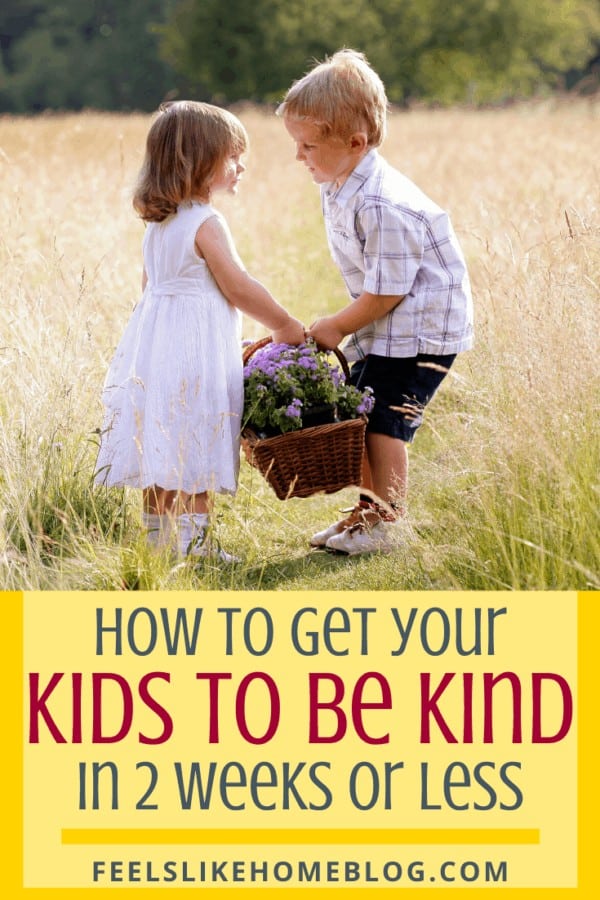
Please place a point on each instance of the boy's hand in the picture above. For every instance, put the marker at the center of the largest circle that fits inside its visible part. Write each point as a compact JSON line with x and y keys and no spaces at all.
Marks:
{"x":326,"y":332}
{"x":290,"y":333}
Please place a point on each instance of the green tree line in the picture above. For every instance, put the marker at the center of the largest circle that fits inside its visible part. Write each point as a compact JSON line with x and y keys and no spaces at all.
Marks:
{"x":131,"y":54}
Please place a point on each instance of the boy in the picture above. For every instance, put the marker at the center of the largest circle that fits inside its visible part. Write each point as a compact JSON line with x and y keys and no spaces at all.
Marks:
{"x":411,"y":309}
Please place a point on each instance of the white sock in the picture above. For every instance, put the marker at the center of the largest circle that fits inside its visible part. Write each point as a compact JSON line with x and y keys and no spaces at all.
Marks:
{"x":158,"y":529}
{"x":191,"y":527}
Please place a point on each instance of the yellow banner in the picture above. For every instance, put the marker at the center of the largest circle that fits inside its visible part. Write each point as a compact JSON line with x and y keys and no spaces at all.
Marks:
{"x":321,"y":741}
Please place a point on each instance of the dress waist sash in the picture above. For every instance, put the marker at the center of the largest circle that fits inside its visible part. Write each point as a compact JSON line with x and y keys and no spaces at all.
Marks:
{"x":174,"y":286}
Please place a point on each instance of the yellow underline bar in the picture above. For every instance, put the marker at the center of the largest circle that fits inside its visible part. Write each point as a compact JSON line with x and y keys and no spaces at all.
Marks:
{"x":329,"y":836}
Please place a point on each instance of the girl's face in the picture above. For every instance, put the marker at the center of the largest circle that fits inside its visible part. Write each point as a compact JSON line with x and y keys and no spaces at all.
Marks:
{"x":228,"y":176}
{"x":327,"y":159}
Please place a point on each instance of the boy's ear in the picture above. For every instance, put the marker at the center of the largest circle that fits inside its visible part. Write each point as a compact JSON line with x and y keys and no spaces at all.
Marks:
{"x":359,"y":141}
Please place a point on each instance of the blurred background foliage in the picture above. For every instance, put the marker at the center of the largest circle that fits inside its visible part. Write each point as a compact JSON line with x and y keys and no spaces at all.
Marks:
{"x":131,"y":54}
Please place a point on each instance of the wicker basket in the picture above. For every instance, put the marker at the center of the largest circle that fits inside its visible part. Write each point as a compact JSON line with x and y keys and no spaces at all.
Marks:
{"x":316,"y":460}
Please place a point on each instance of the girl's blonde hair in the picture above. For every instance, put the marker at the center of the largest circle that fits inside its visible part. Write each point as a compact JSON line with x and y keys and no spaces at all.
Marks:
{"x":341,"y":95}
{"x":186,"y":146}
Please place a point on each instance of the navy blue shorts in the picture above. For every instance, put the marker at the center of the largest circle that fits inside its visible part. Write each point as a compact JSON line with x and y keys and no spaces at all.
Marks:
{"x":402,"y":388}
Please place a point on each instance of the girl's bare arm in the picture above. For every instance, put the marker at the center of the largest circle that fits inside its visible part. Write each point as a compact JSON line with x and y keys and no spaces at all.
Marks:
{"x":215,"y":244}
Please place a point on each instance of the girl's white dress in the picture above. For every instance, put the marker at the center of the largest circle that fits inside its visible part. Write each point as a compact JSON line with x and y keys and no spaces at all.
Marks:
{"x":173,"y":394}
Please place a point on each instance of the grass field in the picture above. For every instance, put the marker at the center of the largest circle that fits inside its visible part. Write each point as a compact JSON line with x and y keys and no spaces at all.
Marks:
{"x":505,"y":473}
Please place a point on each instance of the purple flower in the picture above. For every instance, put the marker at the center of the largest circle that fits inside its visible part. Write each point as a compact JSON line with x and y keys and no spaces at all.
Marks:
{"x":280,"y":380}
{"x":367,"y":403}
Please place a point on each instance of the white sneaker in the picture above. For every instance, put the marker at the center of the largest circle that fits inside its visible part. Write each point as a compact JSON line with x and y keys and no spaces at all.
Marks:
{"x":203,"y":547}
{"x":362,"y":512}
{"x":195,"y":540}
{"x":382,"y":537}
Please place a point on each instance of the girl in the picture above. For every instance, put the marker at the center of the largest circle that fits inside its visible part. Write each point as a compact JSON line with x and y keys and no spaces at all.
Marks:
{"x":173,"y":395}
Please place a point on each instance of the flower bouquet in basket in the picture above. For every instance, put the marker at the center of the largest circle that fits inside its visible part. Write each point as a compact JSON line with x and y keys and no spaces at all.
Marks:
{"x":304,"y":423}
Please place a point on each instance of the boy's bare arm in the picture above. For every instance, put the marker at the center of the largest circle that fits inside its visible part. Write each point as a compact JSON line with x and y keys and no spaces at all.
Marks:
{"x":329,"y":331}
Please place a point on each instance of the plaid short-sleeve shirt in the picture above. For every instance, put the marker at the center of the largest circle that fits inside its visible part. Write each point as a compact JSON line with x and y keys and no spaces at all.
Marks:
{"x":387,"y":237}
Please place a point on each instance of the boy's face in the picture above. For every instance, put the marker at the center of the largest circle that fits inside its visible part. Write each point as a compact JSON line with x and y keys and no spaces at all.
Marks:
{"x":327,"y":159}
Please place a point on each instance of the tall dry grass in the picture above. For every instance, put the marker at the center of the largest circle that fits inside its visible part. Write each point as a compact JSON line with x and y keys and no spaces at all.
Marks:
{"x":504,"y":474}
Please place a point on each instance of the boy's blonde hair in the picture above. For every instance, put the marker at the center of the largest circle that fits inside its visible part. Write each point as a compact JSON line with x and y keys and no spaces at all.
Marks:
{"x":341,"y":95}
{"x":186,"y":146}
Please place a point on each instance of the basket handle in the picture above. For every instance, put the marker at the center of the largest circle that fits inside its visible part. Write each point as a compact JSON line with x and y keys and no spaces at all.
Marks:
{"x":251,"y":349}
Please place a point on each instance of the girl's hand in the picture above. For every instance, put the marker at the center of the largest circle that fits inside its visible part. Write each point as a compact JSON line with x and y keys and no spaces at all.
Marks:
{"x":290,"y":333}
{"x":326,"y":332}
